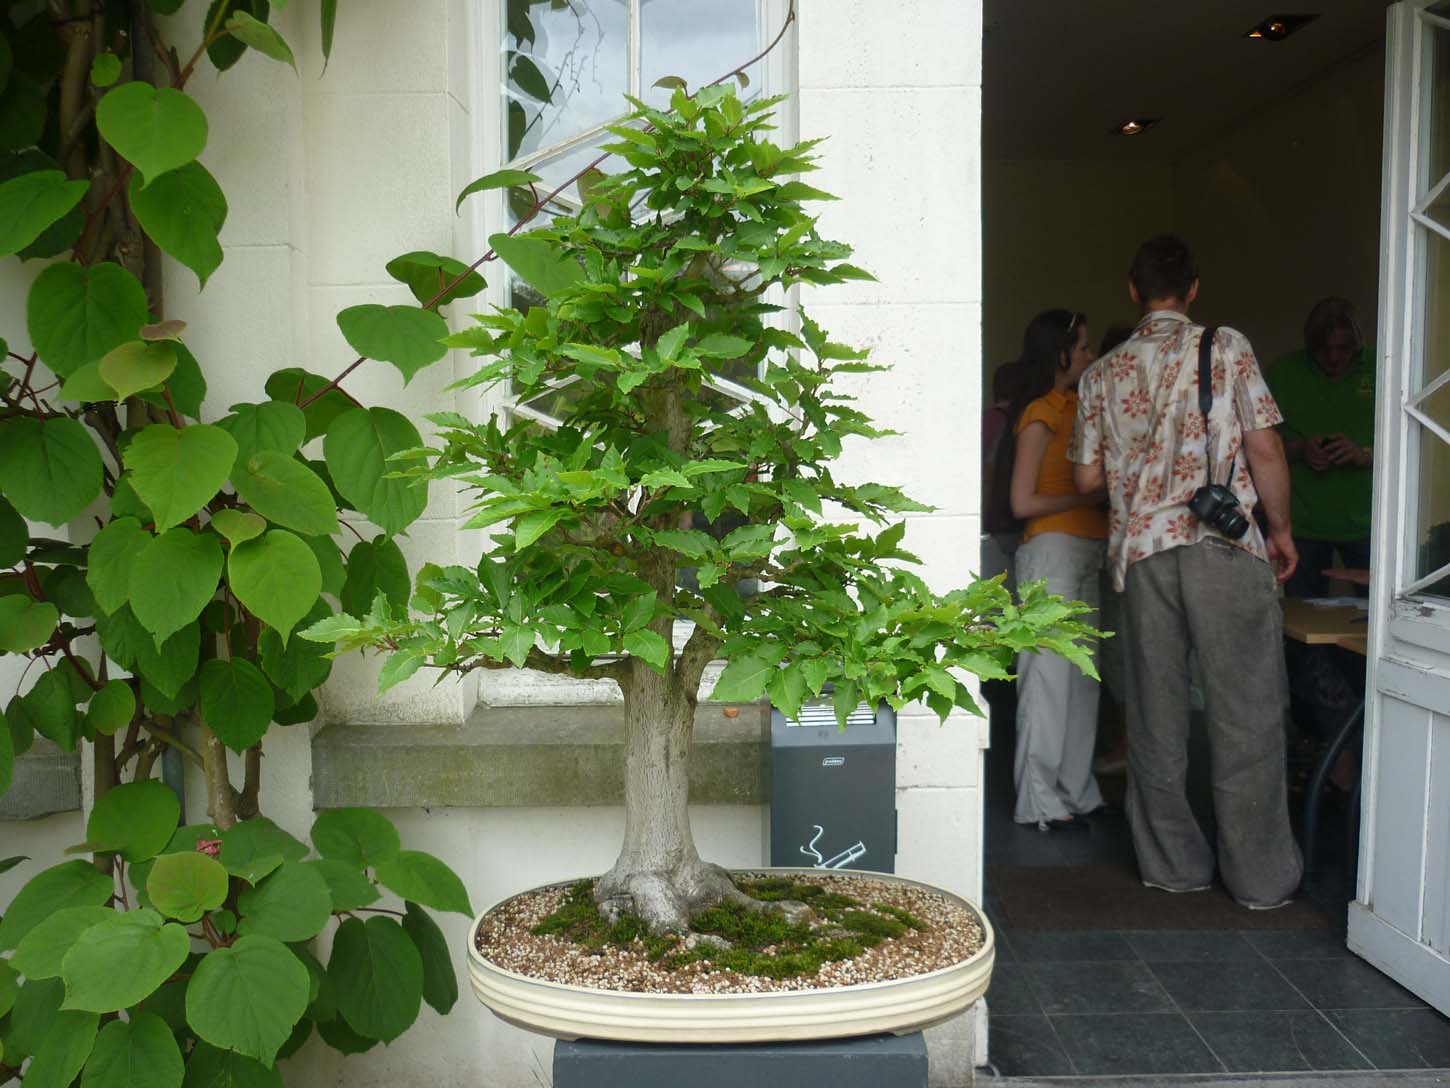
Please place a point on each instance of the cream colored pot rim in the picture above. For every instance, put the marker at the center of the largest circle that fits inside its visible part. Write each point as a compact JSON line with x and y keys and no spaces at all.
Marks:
{"x":989,"y":941}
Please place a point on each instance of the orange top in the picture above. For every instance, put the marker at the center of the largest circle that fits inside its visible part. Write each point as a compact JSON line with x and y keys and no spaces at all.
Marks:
{"x":1058,"y":411}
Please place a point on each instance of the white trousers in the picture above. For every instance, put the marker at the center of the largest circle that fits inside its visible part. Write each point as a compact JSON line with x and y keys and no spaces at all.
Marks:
{"x":1057,"y":706}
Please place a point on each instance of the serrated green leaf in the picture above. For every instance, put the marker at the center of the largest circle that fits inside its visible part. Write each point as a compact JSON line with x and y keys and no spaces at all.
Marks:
{"x":415,"y":875}
{"x":248,"y":997}
{"x":744,"y":678}
{"x":648,"y":646}
{"x":277,"y":578}
{"x":173,"y":578}
{"x":236,"y":702}
{"x":186,"y":885}
{"x":377,"y":973}
{"x":135,"y":819}
{"x":49,"y":470}
{"x":405,"y":336}
{"x":178,"y":471}
{"x":155,"y":128}
{"x":122,"y":961}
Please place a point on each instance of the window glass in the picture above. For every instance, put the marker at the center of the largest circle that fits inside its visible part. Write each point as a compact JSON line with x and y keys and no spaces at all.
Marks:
{"x":697,"y":42}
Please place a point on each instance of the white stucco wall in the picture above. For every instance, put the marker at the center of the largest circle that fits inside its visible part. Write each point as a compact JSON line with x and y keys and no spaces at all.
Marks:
{"x":329,"y":177}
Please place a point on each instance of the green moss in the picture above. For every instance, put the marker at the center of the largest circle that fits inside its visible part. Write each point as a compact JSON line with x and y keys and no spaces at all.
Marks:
{"x":762,"y":943}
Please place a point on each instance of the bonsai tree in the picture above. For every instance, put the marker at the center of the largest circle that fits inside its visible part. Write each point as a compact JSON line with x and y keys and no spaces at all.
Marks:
{"x":674,"y":277}
{"x":154,"y":568}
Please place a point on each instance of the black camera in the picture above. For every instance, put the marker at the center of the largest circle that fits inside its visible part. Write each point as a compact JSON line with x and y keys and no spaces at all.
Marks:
{"x":1218,"y":508}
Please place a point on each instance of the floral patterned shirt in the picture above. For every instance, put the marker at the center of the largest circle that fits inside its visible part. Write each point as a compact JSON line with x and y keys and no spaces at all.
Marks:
{"x":1138,"y":417}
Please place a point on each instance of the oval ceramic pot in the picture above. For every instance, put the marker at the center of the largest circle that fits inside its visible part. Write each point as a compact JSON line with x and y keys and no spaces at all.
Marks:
{"x":895,"y":1006}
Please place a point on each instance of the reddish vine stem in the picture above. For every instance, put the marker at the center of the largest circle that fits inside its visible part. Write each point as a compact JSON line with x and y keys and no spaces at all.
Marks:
{"x":539,"y":205}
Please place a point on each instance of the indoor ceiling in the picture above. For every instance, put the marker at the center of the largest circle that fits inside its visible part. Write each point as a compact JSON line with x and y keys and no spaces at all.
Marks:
{"x":1059,"y":74}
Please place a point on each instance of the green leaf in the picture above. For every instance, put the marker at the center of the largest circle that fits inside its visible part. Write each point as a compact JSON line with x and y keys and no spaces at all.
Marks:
{"x":105,"y":69}
{"x":297,"y":666}
{"x":261,"y":37}
{"x":238,"y":526}
{"x":155,"y":128}
{"x":14,"y":535}
{"x":294,"y":385}
{"x":375,"y":567}
{"x":357,"y":447}
{"x":135,"y":819}
{"x":499,"y":179}
{"x":286,"y":492}
{"x":248,"y":997}
{"x":70,"y":884}
{"x":112,"y":708}
{"x":744,"y":678}
{"x":173,"y":579}
{"x":440,"y":981}
{"x":648,"y":646}
{"x":405,"y":336}
{"x":51,"y":705}
{"x":329,"y":23}
{"x":177,"y":472}
{"x":182,"y":211}
{"x":212,"y":1067}
{"x":113,"y":552}
{"x":185,"y":886}
{"x":719,"y":345}
{"x":187,"y":385}
{"x":9,"y":989}
{"x":49,"y":470}
{"x":77,"y":313}
{"x":292,"y":904}
{"x":251,"y":841}
{"x":336,"y":1034}
{"x":225,"y":50}
{"x":25,"y":623}
{"x":122,"y":961}
{"x":349,"y":886}
{"x":22,"y":113}
{"x":35,"y":1010}
{"x":135,"y":366}
{"x":62,"y":1054}
{"x":377,"y":974}
{"x":421,"y":877}
{"x":32,"y":202}
{"x":40,"y":953}
{"x":427,"y":273}
{"x":139,"y":1053}
{"x":534,"y":525}
{"x":271,"y":425}
{"x":277,"y":578}
{"x":167,"y":667}
{"x":236,"y":702}
{"x":538,"y":263}
{"x":357,"y":836}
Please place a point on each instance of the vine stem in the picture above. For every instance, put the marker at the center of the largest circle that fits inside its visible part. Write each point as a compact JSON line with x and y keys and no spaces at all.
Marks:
{"x":539,"y":204}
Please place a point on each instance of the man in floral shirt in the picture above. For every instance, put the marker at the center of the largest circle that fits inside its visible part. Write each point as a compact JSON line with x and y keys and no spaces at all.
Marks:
{"x":1187,"y":587}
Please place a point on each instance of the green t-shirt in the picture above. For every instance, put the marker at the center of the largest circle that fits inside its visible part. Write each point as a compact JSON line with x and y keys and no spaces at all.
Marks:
{"x":1333,"y":504}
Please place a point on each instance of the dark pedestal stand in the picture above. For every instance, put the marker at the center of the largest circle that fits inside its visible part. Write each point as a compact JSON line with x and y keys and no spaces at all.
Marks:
{"x":876,"y":1061}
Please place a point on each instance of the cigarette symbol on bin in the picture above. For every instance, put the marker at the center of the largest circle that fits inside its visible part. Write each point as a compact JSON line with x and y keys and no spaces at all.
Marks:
{"x":841,"y":860}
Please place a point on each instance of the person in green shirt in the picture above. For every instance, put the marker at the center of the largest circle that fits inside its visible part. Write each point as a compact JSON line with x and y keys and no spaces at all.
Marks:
{"x":1326,"y":393}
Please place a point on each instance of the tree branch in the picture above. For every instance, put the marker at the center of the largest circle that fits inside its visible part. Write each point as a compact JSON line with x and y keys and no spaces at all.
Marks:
{"x":699,"y":651}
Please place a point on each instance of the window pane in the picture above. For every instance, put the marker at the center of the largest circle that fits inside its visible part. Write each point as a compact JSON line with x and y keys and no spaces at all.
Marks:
{"x":1433,"y":484}
{"x":697,"y":41}
{"x":567,"y":69}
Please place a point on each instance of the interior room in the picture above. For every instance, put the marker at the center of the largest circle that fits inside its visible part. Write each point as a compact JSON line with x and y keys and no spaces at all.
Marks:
{"x":1256,"y":136}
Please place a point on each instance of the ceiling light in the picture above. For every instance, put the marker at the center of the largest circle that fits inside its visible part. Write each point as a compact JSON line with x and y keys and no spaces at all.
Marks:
{"x":1278,"y":27}
{"x":1134,"y":126}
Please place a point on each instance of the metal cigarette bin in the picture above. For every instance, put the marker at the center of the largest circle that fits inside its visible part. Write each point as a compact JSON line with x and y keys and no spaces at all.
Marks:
{"x":833,"y":790}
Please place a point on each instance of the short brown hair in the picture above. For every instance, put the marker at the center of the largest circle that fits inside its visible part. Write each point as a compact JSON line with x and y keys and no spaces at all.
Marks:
{"x":1164,"y":267}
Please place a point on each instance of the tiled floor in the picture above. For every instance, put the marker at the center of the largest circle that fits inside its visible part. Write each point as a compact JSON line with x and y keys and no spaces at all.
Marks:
{"x":1118,"y":1003}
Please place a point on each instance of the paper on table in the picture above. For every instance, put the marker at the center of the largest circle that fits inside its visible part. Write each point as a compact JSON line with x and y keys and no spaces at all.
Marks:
{"x":1338,"y":602}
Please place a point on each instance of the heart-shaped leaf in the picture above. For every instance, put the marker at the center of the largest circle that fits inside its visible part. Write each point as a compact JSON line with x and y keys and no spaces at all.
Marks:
{"x":377,"y":973}
{"x":277,"y":578}
{"x":173,"y":579}
{"x":236,"y":702}
{"x":135,"y":366}
{"x":238,"y":526}
{"x":25,"y":623}
{"x":182,"y":211}
{"x":358,"y":836}
{"x":32,"y":202}
{"x":248,"y":997}
{"x":49,"y":469}
{"x":184,"y":886}
{"x":285,"y":491}
{"x":135,"y":819}
{"x":122,"y":961}
{"x":270,"y":425}
{"x":357,"y":448}
{"x":75,"y":313}
{"x":292,"y":904}
{"x":155,"y":128}
{"x":421,"y":877}
{"x":137,"y":1053}
{"x":178,"y":471}
{"x":405,"y":336}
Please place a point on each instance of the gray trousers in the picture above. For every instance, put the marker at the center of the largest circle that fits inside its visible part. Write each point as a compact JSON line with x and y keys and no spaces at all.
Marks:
{"x":1220,"y":601}
{"x":1057,"y":706}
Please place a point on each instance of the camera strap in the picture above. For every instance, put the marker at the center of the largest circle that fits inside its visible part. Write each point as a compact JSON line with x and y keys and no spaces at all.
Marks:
{"x":1205,"y":398}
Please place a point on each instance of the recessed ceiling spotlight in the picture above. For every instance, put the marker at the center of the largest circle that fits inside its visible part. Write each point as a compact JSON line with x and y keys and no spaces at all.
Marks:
{"x":1134,"y":126}
{"x":1278,"y":27}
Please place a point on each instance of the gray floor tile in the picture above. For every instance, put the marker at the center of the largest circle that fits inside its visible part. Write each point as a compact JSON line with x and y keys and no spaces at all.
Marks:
{"x":1189,"y":945}
{"x":1026,"y":1046}
{"x":1010,"y":993}
{"x":1348,"y":983}
{"x":1134,"y":1044}
{"x":1090,"y":946}
{"x":1097,"y":988}
{"x":1276,"y":1042}
{"x":1230,"y":986}
{"x":1398,"y":1038}
{"x":1299,"y":944}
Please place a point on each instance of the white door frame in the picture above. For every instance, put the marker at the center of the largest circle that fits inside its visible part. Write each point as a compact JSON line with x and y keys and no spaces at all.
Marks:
{"x":1400,"y":921}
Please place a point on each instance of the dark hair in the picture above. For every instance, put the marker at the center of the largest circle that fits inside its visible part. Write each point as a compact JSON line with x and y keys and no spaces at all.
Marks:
{"x":1004,"y":383}
{"x":1048,"y":338}
{"x":1118,"y":334}
{"x":1331,"y":315}
{"x":1163,"y":268}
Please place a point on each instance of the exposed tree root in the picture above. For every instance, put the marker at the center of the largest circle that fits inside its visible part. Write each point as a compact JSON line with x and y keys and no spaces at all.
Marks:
{"x":666,"y":901}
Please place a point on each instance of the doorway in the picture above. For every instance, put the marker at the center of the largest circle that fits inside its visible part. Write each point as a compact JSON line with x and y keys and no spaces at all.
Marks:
{"x":1105,"y":124}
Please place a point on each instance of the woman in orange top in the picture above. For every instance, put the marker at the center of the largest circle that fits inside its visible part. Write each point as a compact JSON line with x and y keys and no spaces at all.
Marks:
{"x":1064,"y":543}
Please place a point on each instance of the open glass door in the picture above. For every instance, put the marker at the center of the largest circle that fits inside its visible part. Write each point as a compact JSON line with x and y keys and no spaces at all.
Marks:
{"x":1401,"y":919}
